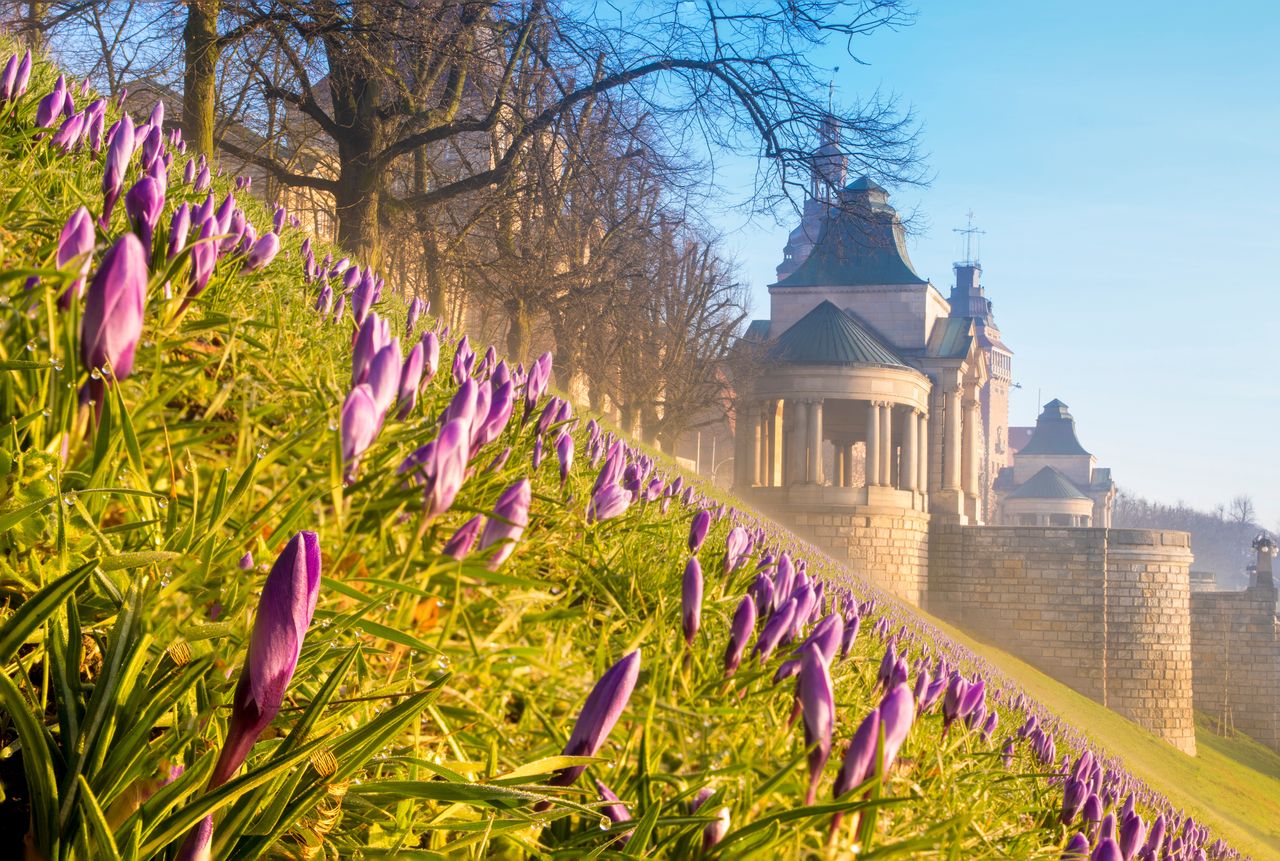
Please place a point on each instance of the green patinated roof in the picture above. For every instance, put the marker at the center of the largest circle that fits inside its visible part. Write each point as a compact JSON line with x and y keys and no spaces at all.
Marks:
{"x":1048,"y":483}
{"x":951,"y":338}
{"x":1055,"y":432}
{"x":860,"y":243}
{"x":830,"y":336}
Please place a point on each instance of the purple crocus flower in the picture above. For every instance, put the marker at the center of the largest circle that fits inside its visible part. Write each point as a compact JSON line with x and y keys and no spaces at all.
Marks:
{"x":430,"y":356}
{"x":67,"y":137}
{"x":464,"y":539}
{"x":415,"y":311}
{"x":284,"y":613}
{"x":744,"y":622}
{"x":716,"y":831}
{"x":447,"y":469}
{"x":7,"y":78}
{"x":119,"y":153}
{"x":1074,"y":793}
{"x":510,"y":517}
{"x":736,"y":547}
{"x":144,"y":202}
{"x":536,"y":384}
{"x":384,"y":375}
{"x":897,"y":714}
{"x":96,"y":120}
{"x":698,"y":530}
{"x":774,"y":630}
{"x":1133,"y":832}
{"x":607,"y":503}
{"x":22,"y":77}
{"x":264,"y":250}
{"x":75,"y":243}
{"x":691,"y":599}
{"x":410,"y":380}
{"x":564,"y":454}
{"x":360,"y":425}
{"x":603,"y":707}
{"x":817,"y":702}
{"x":489,"y":426}
{"x":1077,"y":848}
{"x":50,"y":106}
{"x":204,"y":256}
{"x":112,"y":321}
{"x":1106,"y":850}
{"x":614,"y":809}
{"x":179,"y":227}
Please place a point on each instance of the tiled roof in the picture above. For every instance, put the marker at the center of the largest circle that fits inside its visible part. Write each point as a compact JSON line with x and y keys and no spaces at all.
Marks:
{"x":830,"y":336}
{"x":1048,"y":483}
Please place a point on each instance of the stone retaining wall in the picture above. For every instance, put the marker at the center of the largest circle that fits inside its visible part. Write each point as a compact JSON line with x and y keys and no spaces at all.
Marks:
{"x":1104,"y":611}
{"x":889,"y":549}
{"x":1235,"y":645}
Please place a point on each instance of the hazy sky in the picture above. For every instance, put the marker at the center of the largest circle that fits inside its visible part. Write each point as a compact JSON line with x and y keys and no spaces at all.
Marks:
{"x":1124,"y":160}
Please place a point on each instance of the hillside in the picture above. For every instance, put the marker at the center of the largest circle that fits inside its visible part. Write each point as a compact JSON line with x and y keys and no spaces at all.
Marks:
{"x":287,"y":570}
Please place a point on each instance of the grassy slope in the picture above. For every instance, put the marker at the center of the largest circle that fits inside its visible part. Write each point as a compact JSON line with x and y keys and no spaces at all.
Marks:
{"x":1233,"y":785}
{"x":249,"y":384}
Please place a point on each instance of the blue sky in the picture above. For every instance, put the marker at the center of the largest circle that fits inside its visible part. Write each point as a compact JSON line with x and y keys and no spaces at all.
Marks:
{"x":1124,"y":161}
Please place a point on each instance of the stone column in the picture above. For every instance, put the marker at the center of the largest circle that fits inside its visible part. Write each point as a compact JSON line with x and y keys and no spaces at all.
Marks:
{"x":815,"y":442}
{"x":886,"y":444}
{"x":848,"y":464}
{"x":972,"y":468}
{"x":951,"y":440}
{"x":743,"y":434}
{"x":873,"y":444}
{"x":757,"y":445}
{"x":797,"y":433}
{"x":922,"y":478}
{"x":935,"y":440}
{"x":838,"y":478}
{"x":910,"y":447}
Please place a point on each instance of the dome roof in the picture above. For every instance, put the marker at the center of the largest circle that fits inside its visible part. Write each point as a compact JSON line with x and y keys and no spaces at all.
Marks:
{"x":1048,"y":483}
{"x":1055,"y":432}
{"x":829,"y":336}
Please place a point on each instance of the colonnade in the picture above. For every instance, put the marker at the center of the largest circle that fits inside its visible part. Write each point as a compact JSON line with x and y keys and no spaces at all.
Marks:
{"x":780,"y":443}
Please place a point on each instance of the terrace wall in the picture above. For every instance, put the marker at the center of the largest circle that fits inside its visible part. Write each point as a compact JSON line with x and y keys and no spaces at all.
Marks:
{"x":1235,"y":643}
{"x":1106,"y":611}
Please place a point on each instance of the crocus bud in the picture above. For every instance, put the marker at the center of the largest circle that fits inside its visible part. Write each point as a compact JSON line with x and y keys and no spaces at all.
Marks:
{"x":284,"y":613}
{"x":179,"y":226}
{"x":715,"y":831}
{"x":1077,"y":848}
{"x":736,"y":547}
{"x":614,"y":809}
{"x":897,"y":713}
{"x":817,"y":702}
{"x":448,"y":470}
{"x":75,"y":243}
{"x":119,"y":153}
{"x":1074,"y":793}
{"x":23,"y":76}
{"x":112,"y":321}
{"x":67,"y":137}
{"x":50,"y":106}
{"x":246,"y":561}
{"x":384,"y":376}
{"x":510,"y":517}
{"x":264,"y":250}
{"x":144,"y":202}
{"x":204,"y":255}
{"x":1133,"y":831}
{"x":603,"y":707}
{"x":698,"y":530}
{"x":564,"y":454}
{"x":7,"y":78}
{"x":607,"y":503}
{"x":410,"y":379}
{"x":744,"y":622}
{"x":415,"y":311}
{"x":464,"y":539}
{"x":489,"y":425}
{"x":430,"y":356}
{"x":1106,"y":850}
{"x":536,"y":384}
{"x":278,"y":218}
{"x":360,"y":424}
{"x":774,"y":629}
{"x":691,"y":600}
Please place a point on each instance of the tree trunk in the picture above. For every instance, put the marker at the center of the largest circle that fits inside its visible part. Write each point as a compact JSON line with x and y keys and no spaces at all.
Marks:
{"x":201,"y":51}
{"x":518,"y":330}
{"x":35,"y":23}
